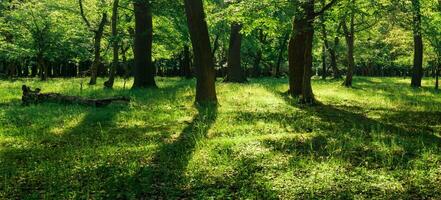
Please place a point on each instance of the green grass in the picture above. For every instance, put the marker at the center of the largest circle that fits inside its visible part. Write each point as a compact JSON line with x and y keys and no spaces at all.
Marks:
{"x":379,"y":140}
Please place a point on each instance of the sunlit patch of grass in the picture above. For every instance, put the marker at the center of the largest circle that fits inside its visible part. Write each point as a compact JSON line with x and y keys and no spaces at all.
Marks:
{"x":380,"y":139}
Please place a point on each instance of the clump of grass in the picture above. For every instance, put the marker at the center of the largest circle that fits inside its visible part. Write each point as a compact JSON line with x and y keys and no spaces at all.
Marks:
{"x":380,"y":139}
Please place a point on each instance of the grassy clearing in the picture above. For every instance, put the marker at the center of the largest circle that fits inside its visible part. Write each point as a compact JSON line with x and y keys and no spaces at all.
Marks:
{"x":380,"y":139}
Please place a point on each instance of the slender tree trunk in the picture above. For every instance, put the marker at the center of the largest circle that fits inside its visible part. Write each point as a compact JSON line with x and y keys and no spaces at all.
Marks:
{"x":324,"y":65}
{"x":205,"y":86}
{"x":333,"y":55}
{"x":235,"y":72}
{"x":42,"y":67}
{"x":296,"y":51}
{"x":97,"y":50}
{"x":438,"y":70}
{"x":115,"y":41}
{"x":417,"y":71}
{"x":144,"y":72}
{"x":187,"y":62}
{"x":350,"y":39}
{"x":281,"y":51}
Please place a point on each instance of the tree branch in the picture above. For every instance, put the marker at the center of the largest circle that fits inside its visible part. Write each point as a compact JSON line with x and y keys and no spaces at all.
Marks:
{"x":326,"y":7}
{"x":83,"y":15}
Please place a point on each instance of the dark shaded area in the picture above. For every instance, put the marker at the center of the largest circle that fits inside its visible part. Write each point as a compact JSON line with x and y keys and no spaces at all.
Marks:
{"x":164,"y":177}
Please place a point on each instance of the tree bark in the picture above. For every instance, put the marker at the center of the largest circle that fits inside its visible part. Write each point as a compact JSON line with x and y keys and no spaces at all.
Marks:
{"x":417,"y":71}
{"x":235,"y":72}
{"x":144,"y":71}
{"x":296,"y":51}
{"x":333,"y":55}
{"x":350,"y":40}
{"x":115,"y":44}
{"x":187,"y":62}
{"x":281,"y":51}
{"x":205,"y":86}
{"x":97,"y":49}
{"x":307,"y":96}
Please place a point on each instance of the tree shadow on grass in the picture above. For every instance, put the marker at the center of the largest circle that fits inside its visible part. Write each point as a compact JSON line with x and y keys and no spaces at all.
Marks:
{"x":46,"y":158}
{"x":165,"y":176}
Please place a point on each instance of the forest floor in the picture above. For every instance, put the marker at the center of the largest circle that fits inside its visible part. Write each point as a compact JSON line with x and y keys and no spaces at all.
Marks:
{"x":380,"y":139}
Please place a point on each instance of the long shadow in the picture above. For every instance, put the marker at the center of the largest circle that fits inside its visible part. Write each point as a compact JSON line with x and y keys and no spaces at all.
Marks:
{"x":57,"y":155}
{"x":165,"y":176}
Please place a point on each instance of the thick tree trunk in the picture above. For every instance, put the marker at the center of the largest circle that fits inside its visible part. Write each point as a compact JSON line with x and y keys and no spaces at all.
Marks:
{"x":115,"y":42}
{"x":307,"y":95}
{"x":205,"y":87}
{"x":144,"y":72}
{"x":97,"y":50}
{"x":417,"y":71}
{"x":296,"y":51}
{"x":235,"y":72}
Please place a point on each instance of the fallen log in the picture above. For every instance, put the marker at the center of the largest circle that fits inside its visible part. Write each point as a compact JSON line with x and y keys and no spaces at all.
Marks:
{"x":35,"y":97}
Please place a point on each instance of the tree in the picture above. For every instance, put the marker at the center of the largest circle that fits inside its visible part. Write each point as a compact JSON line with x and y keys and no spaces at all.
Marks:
{"x":300,"y":50}
{"x":144,"y":71}
{"x":417,"y":71}
{"x":115,"y":42}
{"x":235,"y":71}
{"x":98,"y":35}
{"x":205,"y":74}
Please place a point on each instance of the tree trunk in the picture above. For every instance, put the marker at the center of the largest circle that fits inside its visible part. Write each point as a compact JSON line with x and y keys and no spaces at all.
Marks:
{"x":205,"y":86}
{"x":42,"y":67}
{"x":144,"y":68}
{"x":417,"y":71}
{"x":324,"y":65}
{"x":281,"y":51}
{"x":307,"y":94}
{"x":187,"y":62}
{"x":350,"y":37}
{"x":235,"y":72}
{"x":296,"y":51}
{"x":115,"y":41}
{"x":333,"y":55}
{"x":97,"y":50}
{"x":438,"y":70}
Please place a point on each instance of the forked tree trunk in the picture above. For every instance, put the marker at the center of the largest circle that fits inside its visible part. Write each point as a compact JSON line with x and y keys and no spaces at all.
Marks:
{"x":235,"y":72}
{"x":417,"y":71}
{"x":144,"y":71}
{"x":109,"y":83}
{"x":97,"y":50}
{"x":205,"y":73}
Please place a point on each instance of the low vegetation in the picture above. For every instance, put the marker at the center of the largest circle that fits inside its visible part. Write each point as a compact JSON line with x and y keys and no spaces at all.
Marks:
{"x":380,"y":139}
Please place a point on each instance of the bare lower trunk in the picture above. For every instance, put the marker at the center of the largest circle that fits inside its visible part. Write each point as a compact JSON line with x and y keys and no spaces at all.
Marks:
{"x":351,"y":62}
{"x":144,"y":71}
{"x":296,"y":51}
{"x":97,"y":50}
{"x":281,"y":51}
{"x":307,"y":94}
{"x":109,"y":83}
{"x":417,"y":71}
{"x":205,"y":86}
{"x":235,"y":72}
